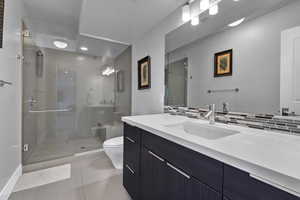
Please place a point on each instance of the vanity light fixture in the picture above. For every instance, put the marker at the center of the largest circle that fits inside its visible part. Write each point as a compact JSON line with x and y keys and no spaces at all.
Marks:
{"x":214,"y":9}
{"x":236,"y":23}
{"x":195,"y":21}
{"x":83,"y":48}
{"x":186,"y":13}
{"x":60,"y":44}
{"x":204,"y":4}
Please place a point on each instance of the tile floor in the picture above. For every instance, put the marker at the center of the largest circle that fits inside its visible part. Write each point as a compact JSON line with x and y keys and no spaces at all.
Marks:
{"x":92,"y":178}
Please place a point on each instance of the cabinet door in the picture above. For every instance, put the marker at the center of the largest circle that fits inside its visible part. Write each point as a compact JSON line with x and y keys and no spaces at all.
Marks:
{"x":131,"y":182}
{"x":131,"y":146}
{"x":152,"y":176}
{"x":177,"y":182}
{"x":198,"y":191}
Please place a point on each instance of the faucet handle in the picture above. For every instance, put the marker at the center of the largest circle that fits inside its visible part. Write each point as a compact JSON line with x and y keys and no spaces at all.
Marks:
{"x":212,"y":106}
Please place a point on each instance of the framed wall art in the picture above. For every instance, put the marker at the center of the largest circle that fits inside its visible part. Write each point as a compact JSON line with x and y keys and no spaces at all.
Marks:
{"x":144,"y":73}
{"x":223,"y":63}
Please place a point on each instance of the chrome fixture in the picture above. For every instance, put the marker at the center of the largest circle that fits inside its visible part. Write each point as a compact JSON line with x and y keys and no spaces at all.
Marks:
{"x":51,"y":111}
{"x":210,"y":115}
{"x":224,"y":90}
{"x":3,"y":83}
{"x":225,"y":107}
{"x":31,"y":102}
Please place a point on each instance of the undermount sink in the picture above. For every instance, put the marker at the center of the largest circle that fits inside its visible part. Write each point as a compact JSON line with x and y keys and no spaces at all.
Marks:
{"x":210,"y":132}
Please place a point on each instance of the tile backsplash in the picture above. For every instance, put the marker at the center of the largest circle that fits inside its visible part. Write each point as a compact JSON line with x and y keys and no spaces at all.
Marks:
{"x":288,"y":125}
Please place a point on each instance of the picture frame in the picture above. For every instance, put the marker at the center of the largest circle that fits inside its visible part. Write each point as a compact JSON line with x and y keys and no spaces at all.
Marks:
{"x":223,"y":63}
{"x":144,"y":73}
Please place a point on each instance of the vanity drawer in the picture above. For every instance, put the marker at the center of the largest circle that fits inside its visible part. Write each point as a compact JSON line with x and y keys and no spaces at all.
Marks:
{"x":205,"y":169}
{"x":131,"y":181}
{"x":132,"y":138}
{"x":240,"y":185}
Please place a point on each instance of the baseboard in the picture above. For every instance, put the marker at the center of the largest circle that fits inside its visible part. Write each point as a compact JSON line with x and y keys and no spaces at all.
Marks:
{"x":9,"y":187}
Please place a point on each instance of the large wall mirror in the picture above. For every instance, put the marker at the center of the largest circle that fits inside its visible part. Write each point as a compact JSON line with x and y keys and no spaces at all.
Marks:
{"x":245,"y":54}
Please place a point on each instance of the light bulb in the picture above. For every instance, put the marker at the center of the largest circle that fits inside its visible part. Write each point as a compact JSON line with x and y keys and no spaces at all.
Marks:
{"x":186,"y":15}
{"x":195,"y":21}
{"x":214,"y":10}
{"x":204,"y":4}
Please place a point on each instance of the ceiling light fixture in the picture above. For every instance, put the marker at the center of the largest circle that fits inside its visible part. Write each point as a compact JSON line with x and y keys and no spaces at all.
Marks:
{"x":83,"y":48}
{"x":195,"y":21}
{"x":108,"y":71}
{"x":60,"y":44}
{"x":236,"y":23}
{"x":214,"y":10}
{"x":204,"y":4}
{"x":186,"y":13}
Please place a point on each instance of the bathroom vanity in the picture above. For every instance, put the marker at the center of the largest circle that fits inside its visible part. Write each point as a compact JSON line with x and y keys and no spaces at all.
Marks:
{"x":165,"y":158}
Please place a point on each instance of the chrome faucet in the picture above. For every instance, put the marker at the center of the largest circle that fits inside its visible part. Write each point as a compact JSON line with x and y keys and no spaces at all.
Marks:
{"x":225,"y":107}
{"x":210,"y":115}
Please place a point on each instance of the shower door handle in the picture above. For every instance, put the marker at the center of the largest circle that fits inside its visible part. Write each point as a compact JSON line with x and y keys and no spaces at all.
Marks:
{"x":50,"y":111}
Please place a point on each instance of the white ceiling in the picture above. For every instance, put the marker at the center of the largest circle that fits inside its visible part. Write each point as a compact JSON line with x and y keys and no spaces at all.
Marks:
{"x":106,"y":27}
{"x":53,"y":17}
{"x":229,"y":11}
{"x":124,"y":20}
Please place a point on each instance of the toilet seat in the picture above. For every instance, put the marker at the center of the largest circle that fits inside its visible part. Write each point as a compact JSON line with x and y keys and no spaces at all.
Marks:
{"x":114,"y":142}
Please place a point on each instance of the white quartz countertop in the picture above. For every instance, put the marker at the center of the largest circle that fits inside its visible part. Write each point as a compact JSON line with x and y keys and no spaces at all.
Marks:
{"x":271,"y":157}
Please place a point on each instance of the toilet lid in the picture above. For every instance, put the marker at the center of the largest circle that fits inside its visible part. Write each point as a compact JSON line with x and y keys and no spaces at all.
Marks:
{"x":118,"y":141}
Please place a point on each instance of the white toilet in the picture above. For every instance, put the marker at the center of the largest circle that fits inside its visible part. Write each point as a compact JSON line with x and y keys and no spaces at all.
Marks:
{"x":114,"y":150}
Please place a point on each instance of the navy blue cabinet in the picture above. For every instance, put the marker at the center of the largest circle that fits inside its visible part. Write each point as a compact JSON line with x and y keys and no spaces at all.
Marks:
{"x":199,"y":191}
{"x":152,"y":176}
{"x":161,"y":180}
{"x":131,"y":172}
{"x":239,"y":185}
{"x":157,"y":169}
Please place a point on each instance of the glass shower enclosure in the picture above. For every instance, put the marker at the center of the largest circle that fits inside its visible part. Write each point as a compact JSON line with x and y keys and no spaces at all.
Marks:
{"x":70,"y":107}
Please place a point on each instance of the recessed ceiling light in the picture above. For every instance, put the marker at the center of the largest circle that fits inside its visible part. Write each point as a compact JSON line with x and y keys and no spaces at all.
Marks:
{"x":236,"y":23}
{"x":84,"y":48}
{"x":60,"y":44}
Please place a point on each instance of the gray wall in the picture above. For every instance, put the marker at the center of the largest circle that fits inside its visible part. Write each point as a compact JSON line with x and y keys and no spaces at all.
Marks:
{"x":10,"y":96}
{"x":256,"y":63}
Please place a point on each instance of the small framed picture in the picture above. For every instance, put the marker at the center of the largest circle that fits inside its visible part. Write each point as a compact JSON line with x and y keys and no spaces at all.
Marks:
{"x":223,"y":63}
{"x":144,"y":73}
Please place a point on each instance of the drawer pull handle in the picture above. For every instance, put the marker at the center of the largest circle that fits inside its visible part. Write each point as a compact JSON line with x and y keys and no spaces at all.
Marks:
{"x":178,"y":170}
{"x":130,"y":140}
{"x":156,"y":156}
{"x":131,"y":170}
